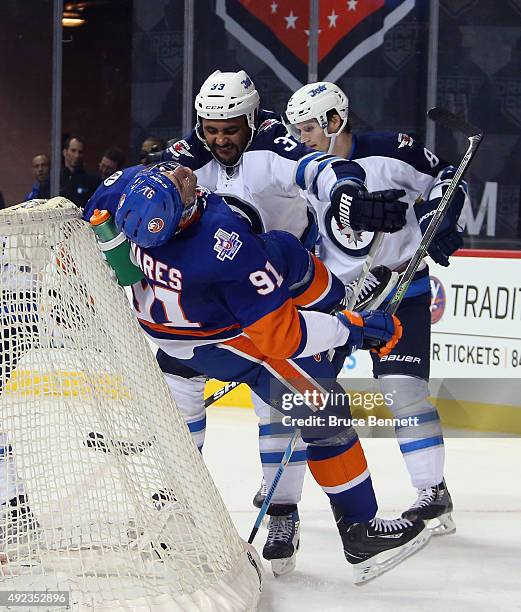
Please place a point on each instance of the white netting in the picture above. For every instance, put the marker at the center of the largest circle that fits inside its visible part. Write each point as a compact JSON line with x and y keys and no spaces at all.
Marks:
{"x":130,"y":520}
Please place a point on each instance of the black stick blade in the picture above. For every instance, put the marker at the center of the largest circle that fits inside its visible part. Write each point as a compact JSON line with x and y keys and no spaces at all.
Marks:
{"x":453,"y":122}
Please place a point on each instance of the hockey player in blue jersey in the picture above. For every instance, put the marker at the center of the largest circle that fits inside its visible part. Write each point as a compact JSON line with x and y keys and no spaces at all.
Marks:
{"x":245,"y":154}
{"x":221,"y":301}
{"x":317,"y":114}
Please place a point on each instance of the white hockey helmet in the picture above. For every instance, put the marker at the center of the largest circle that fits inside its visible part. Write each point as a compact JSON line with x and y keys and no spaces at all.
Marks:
{"x":225,"y":95}
{"x":313,"y":101}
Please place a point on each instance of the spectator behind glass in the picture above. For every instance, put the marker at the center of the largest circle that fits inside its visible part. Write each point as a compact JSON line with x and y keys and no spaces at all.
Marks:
{"x":113,"y":160}
{"x":41,"y":188}
{"x":76,"y":183}
{"x":151,"y":144}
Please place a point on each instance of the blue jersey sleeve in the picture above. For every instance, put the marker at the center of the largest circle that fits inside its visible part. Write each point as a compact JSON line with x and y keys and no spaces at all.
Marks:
{"x":189,"y":152}
{"x":107,"y":195}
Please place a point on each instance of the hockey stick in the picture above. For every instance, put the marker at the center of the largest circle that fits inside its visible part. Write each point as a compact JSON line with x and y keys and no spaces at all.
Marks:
{"x":375,"y":247}
{"x":97,"y":441}
{"x":267,"y":500}
{"x":220,"y":393}
{"x":475,"y":136}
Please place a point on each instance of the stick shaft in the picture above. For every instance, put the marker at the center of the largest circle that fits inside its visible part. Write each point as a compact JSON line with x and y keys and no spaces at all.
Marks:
{"x":435,"y":223}
{"x":284,"y":462}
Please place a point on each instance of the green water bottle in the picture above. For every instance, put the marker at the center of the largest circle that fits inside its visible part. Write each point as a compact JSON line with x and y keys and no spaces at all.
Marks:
{"x":116,"y":248}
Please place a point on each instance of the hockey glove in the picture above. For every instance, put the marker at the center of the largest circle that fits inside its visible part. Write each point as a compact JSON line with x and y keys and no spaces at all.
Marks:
{"x":447,"y":239}
{"x":375,"y":330}
{"x":377,"y":211}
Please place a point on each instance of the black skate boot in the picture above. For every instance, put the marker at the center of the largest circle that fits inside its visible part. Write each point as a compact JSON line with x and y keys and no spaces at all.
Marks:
{"x":379,"y":545}
{"x":378,"y":283}
{"x":283,"y":538}
{"x":260,"y":496}
{"x":19,"y":529}
{"x":434,"y":506}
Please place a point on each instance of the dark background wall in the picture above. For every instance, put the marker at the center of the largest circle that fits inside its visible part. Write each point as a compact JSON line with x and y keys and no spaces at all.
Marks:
{"x":479,"y":75}
{"x":123,"y":80}
{"x":25,"y":92}
{"x":96,"y":85}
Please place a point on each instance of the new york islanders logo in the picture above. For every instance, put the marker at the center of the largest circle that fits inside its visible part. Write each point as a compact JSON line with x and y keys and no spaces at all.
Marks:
{"x":227,"y":245}
{"x":438,"y":299}
{"x":155,"y":225}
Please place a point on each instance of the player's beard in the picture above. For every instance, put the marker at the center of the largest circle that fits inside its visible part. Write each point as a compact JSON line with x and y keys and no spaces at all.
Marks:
{"x":228,"y":160}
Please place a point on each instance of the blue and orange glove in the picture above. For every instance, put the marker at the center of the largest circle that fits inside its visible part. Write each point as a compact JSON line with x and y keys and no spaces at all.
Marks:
{"x":371,"y":330}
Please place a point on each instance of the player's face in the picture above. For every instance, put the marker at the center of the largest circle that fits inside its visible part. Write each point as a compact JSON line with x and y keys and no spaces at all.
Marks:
{"x":227,"y":138}
{"x":312,"y":135}
{"x":185,"y":181}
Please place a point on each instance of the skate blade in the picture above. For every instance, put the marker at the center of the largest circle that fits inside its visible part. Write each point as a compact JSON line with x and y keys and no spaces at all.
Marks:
{"x":281,"y":567}
{"x":379,"y":564}
{"x":441,"y":525}
{"x":390,"y":286}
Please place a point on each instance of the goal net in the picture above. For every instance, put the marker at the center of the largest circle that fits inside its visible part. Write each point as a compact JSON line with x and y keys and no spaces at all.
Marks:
{"x":103,"y":494}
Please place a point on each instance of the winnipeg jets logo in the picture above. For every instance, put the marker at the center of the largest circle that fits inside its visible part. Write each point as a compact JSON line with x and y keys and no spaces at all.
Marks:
{"x":352,"y":243}
{"x":265,"y":125}
{"x":181,"y":147}
{"x":405,"y":140}
{"x":314,"y":92}
{"x":227,"y":245}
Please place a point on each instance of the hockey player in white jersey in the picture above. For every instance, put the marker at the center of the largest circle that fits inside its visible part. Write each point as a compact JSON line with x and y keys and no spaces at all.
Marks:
{"x":317,"y":114}
{"x":245,"y":154}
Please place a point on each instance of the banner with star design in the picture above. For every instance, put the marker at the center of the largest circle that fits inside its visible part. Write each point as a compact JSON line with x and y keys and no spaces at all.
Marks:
{"x":277,"y":31}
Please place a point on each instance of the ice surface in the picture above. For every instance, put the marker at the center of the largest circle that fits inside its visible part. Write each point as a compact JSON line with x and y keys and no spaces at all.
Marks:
{"x":477,"y":568}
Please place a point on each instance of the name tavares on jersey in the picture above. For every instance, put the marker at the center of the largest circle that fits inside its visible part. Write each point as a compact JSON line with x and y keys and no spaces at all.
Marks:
{"x":157,"y":271}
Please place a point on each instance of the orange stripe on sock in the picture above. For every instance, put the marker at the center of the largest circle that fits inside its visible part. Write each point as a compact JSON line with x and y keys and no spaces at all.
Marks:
{"x":339,"y":470}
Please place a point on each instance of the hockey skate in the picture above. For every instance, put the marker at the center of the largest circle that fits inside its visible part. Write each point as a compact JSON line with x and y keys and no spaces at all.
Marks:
{"x":434,"y":506}
{"x":378,"y":283}
{"x":283,"y":539}
{"x":19,"y":529}
{"x":379,"y":545}
{"x":258,"y":500}
{"x":260,"y":496}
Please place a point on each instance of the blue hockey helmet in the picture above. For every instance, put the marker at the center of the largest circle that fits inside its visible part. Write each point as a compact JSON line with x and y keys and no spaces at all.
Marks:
{"x":149,"y":210}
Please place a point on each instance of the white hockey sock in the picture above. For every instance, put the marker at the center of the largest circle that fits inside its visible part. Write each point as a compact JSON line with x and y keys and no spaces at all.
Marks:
{"x":421,"y":444}
{"x":188,"y":394}
{"x":273,"y":441}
